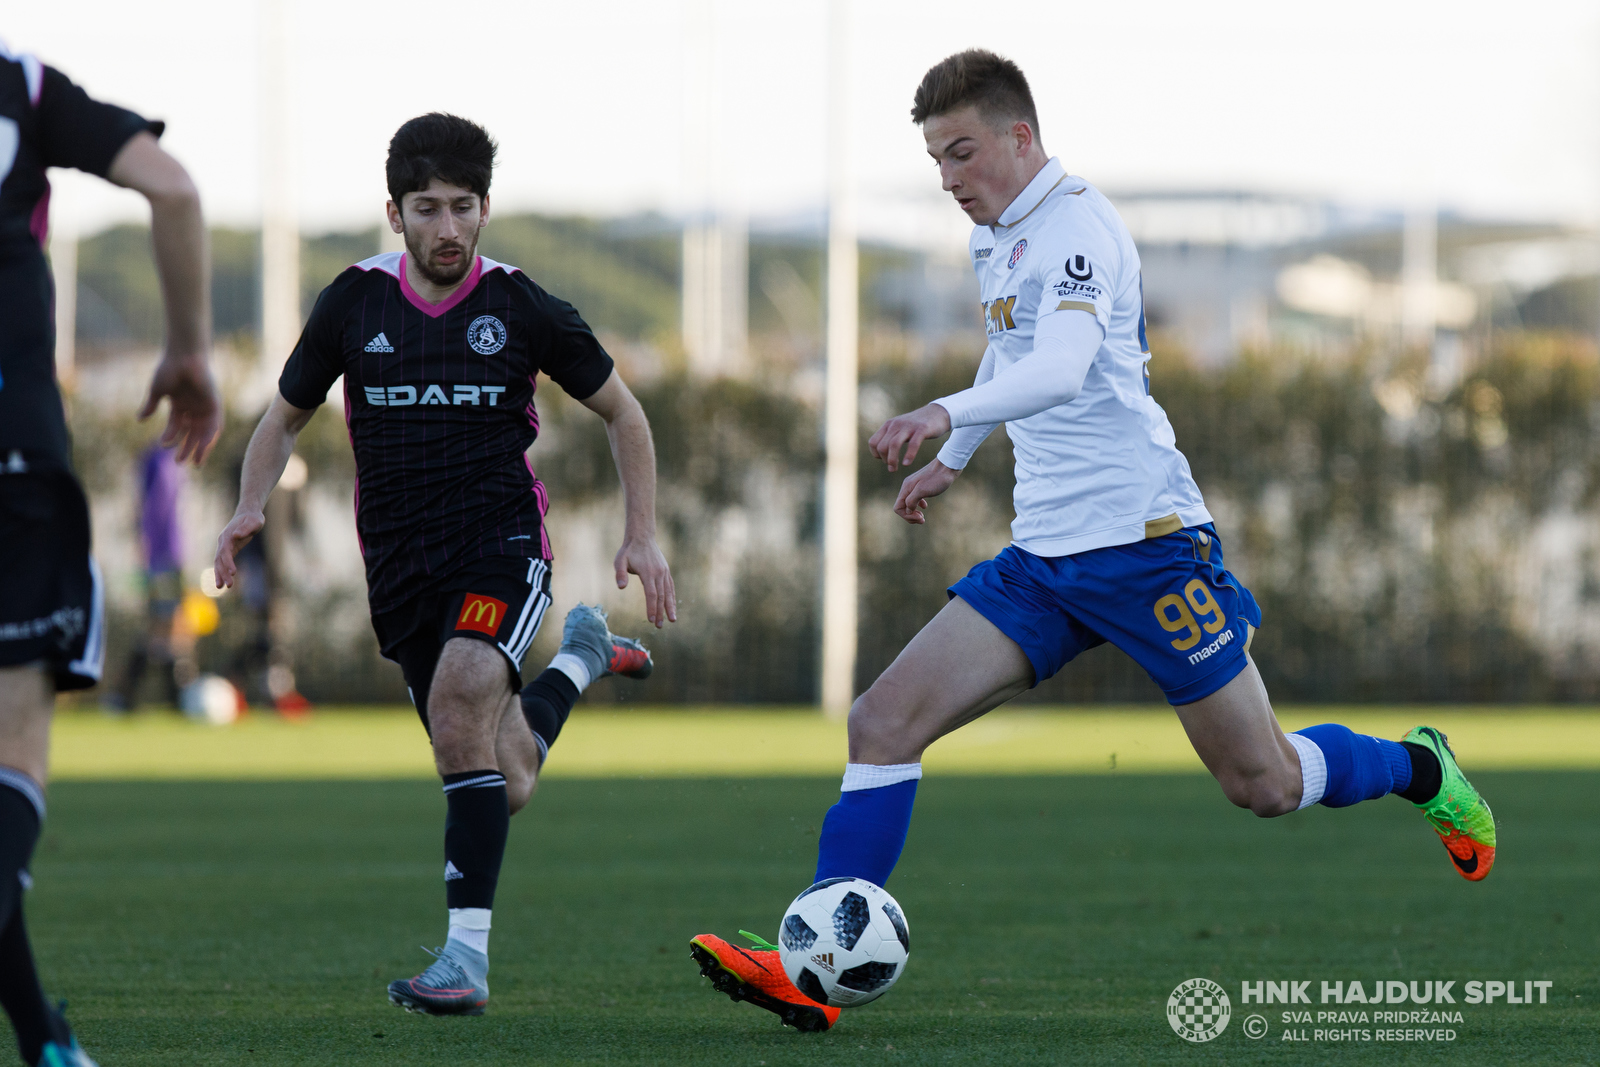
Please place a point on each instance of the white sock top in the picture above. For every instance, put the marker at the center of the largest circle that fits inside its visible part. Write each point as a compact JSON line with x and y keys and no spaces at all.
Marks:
{"x":573,"y":668}
{"x":873,"y":775}
{"x":1313,"y":769}
{"x":470,"y":926}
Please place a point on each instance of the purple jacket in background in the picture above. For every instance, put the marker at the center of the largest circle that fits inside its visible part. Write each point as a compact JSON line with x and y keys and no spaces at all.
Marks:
{"x":160,"y":482}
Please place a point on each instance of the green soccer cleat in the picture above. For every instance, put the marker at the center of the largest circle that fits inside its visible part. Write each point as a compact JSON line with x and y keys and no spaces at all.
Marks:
{"x":1457,"y":813}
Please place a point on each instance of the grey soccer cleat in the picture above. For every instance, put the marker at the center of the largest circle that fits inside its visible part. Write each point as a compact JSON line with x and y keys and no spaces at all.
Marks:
{"x":586,"y":636}
{"x":455,"y":983}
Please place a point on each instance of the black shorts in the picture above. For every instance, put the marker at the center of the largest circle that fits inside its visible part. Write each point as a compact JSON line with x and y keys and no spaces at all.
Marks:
{"x":498,"y":599}
{"x":52,"y":603}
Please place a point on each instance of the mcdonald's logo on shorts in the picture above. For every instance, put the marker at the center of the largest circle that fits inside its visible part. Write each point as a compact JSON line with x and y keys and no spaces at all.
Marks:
{"x":481,"y":613}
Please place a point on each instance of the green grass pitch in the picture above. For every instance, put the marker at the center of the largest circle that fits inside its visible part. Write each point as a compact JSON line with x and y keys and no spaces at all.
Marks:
{"x":257,"y":923}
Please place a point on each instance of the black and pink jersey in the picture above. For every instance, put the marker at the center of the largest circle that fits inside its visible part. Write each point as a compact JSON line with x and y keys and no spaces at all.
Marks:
{"x":439,"y":403}
{"x":45,"y":121}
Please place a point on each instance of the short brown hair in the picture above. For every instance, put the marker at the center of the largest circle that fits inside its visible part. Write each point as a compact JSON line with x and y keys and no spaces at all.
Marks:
{"x":978,"y":77}
{"x":453,"y":149}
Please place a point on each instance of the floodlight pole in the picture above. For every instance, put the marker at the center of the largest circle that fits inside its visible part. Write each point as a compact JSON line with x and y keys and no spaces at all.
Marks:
{"x":1419,"y":275}
{"x":280,"y":226}
{"x":716,"y":232}
{"x":280,"y":298}
{"x":840,"y":436}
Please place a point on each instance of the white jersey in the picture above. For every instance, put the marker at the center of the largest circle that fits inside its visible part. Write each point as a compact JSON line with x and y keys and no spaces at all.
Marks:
{"x":1102,"y":469}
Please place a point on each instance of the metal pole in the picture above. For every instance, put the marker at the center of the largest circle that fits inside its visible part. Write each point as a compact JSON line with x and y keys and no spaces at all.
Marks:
{"x":840,"y":435}
{"x":280,"y":310}
{"x":280,"y":227}
{"x":1419,"y":275}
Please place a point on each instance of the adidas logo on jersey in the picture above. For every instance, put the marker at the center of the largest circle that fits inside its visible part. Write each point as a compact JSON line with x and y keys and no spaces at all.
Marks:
{"x":379,"y":343}
{"x":451,"y":873}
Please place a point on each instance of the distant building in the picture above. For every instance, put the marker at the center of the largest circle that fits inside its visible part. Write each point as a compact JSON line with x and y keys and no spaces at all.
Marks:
{"x":1225,"y":271}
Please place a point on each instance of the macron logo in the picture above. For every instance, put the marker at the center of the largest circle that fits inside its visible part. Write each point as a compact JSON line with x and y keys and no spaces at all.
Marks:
{"x":450,"y":871}
{"x":379,"y":343}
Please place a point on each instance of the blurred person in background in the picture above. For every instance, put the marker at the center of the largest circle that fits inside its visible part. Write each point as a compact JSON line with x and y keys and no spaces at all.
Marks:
{"x":52,"y":634}
{"x":168,"y":642}
{"x":440,"y":351}
{"x":250,"y":667}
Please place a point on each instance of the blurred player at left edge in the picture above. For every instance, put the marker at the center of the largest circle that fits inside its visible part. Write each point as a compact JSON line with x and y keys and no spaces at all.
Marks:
{"x":52,"y":634}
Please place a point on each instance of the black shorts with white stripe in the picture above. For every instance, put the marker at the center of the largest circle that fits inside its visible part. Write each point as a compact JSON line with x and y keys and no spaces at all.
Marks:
{"x":52,"y":602}
{"x":500,"y":600}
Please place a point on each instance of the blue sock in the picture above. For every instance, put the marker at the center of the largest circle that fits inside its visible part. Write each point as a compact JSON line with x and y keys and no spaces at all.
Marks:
{"x":1360,"y":767}
{"x":863,"y":834}
{"x":1399,"y":761}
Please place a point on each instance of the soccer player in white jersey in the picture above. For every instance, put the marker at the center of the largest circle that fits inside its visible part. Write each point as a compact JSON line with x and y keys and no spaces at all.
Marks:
{"x":1112,"y":540}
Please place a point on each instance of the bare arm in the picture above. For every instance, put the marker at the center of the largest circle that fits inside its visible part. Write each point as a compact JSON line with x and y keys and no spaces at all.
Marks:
{"x":634,"y":452}
{"x":264,"y":460}
{"x":178,"y":231}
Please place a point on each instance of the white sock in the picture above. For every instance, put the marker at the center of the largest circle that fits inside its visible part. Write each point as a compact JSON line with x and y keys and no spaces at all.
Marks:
{"x":1313,"y":769}
{"x":573,"y":668}
{"x":873,"y":775}
{"x":470,"y":926}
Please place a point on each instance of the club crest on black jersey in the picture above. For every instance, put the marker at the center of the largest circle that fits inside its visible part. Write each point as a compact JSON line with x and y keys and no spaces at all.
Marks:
{"x":439,"y":399}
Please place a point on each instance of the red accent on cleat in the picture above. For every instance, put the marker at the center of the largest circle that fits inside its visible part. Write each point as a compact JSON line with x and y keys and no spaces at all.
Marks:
{"x":629,"y":658}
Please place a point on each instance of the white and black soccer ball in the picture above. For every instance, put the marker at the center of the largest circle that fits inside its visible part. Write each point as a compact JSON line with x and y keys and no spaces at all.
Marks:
{"x":844,"y":942}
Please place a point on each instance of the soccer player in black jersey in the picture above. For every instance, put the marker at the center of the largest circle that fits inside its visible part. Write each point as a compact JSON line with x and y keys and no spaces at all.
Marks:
{"x":440,"y":350}
{"x":51,"y":629}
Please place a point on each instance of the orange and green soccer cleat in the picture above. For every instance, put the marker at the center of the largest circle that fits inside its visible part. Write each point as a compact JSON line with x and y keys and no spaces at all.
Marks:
{"x":1457,"y":813}
{"x":757,"y":975}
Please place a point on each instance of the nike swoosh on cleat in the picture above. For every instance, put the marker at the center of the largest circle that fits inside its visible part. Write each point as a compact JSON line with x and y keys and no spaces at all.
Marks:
{"x":752,"y":959}
{"x":1468,"y":866}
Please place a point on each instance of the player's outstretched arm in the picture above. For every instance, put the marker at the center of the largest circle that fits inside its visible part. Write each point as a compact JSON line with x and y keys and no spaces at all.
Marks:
{"x":264,"y":460}
{"x":178,"y":231}
{"x":634,"y":452}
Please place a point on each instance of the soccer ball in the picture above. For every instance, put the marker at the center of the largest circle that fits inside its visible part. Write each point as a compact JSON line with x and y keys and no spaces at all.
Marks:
{"x":844,"y":942}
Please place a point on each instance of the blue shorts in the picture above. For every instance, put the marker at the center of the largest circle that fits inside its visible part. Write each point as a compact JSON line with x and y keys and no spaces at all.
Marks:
{"x":1167,"y":601}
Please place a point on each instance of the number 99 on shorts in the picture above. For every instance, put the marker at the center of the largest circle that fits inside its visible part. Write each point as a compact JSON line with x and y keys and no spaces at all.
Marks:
{"x":1191,"y":615}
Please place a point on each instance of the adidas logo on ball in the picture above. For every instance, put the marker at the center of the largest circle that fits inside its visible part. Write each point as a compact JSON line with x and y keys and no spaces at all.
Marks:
{"x":844,"y":942}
